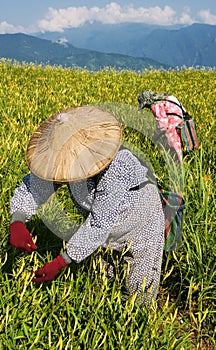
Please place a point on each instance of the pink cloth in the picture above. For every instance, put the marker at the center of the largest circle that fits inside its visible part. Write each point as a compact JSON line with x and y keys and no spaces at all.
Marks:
{"x":169,"y":123}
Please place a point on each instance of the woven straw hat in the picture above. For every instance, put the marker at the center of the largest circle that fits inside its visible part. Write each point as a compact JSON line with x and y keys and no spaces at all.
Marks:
{"x":73,"y":145}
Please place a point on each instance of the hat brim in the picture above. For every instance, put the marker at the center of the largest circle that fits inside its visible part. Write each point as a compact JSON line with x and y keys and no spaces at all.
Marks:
{"x":74,"y":144}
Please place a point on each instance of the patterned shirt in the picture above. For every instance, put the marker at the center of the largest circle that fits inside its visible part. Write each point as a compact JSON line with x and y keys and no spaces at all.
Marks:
{"x":104,"y":204}
{"x":116,"y":215}
{"x":167,"y":121}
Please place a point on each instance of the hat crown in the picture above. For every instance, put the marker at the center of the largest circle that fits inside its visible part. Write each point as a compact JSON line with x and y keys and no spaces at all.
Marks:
{"x":74,"y":144}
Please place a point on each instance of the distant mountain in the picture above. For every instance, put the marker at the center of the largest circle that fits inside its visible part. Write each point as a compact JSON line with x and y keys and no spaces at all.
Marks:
{"x":22,"y":47}
{"x":193,"y":45}
{"x":109,"y":38}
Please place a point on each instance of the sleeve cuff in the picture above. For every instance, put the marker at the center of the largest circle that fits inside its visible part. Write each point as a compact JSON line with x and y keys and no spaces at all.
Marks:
{"x":18,"y":216}
{"x":66,"y":257}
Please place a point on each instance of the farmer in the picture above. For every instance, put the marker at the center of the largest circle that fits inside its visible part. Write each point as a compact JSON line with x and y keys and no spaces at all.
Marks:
{"x":168,"y":111}
{"x":82,"y":147}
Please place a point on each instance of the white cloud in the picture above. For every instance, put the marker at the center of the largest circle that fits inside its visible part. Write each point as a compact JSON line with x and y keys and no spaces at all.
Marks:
{"x":62,"y":41}
{"x":185,"y":17}
{"x":205,"y":16}
{"x":72,"y":17}
{"x":112,"y":13}
{"x":10,"y":29}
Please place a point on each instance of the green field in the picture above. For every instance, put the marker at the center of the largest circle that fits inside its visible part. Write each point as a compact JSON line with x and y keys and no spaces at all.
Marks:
{"x":81,"y":308}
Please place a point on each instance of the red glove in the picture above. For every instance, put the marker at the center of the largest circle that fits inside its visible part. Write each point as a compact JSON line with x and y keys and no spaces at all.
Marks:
{"x":20,"y":237}
{"x":49,"y":270}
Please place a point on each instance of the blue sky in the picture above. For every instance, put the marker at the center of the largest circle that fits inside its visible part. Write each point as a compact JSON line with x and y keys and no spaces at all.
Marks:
{"x":31,"y":16}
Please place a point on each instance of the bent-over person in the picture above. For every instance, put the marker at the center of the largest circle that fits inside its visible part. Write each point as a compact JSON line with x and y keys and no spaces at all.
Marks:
{"x":82,"y":147}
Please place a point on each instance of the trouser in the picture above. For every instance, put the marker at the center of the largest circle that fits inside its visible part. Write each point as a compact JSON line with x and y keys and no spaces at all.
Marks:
{"x":139,"y":252}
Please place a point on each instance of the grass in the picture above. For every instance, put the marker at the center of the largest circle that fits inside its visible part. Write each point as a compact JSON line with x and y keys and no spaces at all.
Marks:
{"x":81,"y":308}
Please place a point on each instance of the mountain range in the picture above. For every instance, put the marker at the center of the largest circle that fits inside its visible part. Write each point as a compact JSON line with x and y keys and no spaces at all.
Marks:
{"x":123,"y":46}
{"x":193,"y":45}
{"x":26,"y":48}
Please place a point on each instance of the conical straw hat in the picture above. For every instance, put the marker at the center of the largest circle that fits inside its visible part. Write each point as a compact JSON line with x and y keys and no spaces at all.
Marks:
{"x":74,"y":144}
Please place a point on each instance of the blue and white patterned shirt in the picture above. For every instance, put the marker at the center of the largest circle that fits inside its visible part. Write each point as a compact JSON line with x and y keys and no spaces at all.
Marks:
{"x":106,"y":203}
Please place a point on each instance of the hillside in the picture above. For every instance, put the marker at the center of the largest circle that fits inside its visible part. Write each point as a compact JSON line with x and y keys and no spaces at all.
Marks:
{"x":28,"y":48}
{"x":191,"y":46}
{"x":174,"y":46}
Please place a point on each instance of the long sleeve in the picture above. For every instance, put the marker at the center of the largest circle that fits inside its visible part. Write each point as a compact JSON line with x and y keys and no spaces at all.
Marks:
{"x":109,"y":199}
{"x":23,"y":201}
{"x":29,"y":196}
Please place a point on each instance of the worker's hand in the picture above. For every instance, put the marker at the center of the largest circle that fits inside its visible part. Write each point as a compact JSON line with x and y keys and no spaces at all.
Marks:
{"x":20,"y":237}
{"x":49,"y":270}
